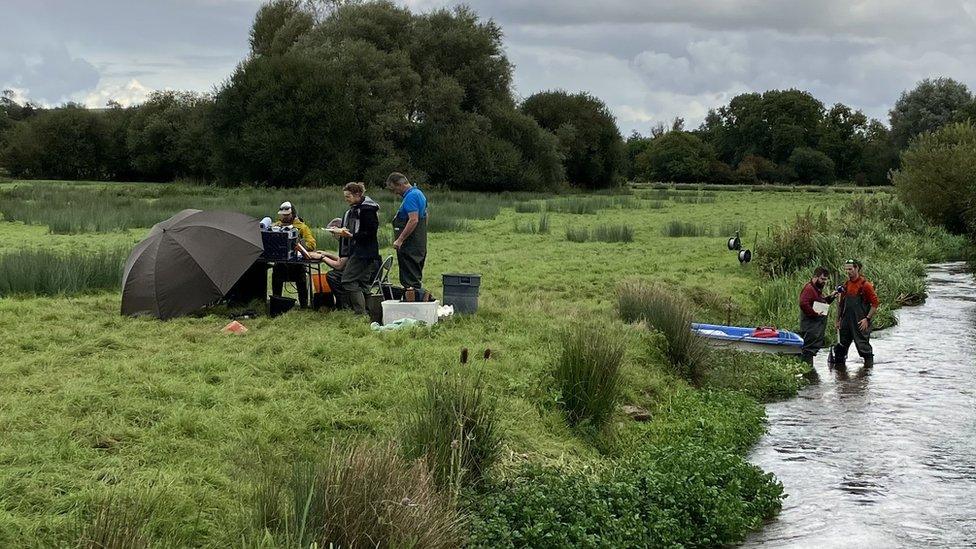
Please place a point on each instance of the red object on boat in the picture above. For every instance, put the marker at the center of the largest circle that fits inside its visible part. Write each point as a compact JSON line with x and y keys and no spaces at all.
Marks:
{"x":765,"y":331}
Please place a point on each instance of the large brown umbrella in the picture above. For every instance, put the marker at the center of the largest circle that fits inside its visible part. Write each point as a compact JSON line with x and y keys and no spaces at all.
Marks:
{"x":188,"y":261}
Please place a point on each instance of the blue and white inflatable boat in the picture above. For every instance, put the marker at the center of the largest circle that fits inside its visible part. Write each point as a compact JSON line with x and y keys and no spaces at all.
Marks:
{"x":745,"y":339}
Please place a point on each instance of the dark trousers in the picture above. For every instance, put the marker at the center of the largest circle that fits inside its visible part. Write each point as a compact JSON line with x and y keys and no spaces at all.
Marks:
{"x":349,"y":286}
{"x":849,"y":333}
{"x":411,"y":263}
{"x":812,"y":331}
{"x":290,"y":273}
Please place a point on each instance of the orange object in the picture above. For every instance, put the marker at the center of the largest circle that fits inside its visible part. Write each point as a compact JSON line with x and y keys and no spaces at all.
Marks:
{"x":765,"y":331}
{"x":320,"y":284}
{"x":234,"y":327}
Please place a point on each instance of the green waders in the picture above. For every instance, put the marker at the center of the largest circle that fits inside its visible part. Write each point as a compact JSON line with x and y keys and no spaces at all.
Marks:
{"x":854,"y":309}
{"x":356,"y":278}
{"x":412,"y":254}
{"x":812,"y":331}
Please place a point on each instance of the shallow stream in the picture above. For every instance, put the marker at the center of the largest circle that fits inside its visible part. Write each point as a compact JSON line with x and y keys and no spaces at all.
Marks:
{"x":884,"y":457}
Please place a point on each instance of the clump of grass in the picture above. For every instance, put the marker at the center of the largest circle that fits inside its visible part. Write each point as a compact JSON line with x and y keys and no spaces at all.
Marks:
{"x":676,"y":228}
{"x":730,"y":228}
{"x":613,"y":233}
{"x":671,"y":315}
{"x":532,"y":206}
{"x":576,"y":204}
{"x":577,"y":234}
{"x":43,"y":272}
{"x":655,"y":204}
{"x":441,"y":223}
{"x":454,"y":428}
{"x":363,"y":496}
{"x":116,"y":522}
{"x":533,"y":227}
{"x":587,"y":374}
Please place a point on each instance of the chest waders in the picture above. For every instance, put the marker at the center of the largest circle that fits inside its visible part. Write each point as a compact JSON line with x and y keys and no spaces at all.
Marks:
{"x":812,"y":331}
{"x":855,"y":308}
{"x":413,"y":253}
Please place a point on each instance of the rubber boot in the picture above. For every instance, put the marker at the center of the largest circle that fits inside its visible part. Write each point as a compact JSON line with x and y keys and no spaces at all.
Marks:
{"x":869,"y":361}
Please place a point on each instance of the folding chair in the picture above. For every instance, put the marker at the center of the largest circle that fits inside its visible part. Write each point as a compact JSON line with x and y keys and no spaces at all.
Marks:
{"x":381,"y":282}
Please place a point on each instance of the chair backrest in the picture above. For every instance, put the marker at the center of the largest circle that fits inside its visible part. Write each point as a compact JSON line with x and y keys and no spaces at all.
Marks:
{"x":382,"y":275}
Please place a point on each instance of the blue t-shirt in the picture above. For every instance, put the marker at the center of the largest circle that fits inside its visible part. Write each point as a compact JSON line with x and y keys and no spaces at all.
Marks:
{"x":413,"y":201}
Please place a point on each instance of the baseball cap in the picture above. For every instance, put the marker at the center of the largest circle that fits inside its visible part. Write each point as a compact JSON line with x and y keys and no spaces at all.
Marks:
{"x":285,"y":208}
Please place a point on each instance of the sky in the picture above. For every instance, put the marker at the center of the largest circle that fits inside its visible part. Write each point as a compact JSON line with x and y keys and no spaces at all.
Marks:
{"x":649,"y":60}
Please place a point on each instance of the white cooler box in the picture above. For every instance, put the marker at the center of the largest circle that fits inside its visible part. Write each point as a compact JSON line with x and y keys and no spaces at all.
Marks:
{"x":394,"y":310}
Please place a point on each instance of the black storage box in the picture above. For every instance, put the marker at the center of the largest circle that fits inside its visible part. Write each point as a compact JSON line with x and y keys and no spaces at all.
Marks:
{"x":279,"y":245}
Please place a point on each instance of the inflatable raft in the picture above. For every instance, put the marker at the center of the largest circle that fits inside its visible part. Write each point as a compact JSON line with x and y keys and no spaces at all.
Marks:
{"x":757,"y":340}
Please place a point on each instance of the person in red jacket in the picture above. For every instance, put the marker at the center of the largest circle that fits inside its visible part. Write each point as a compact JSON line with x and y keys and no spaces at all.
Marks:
{"x":857,"y":308}
{"x":813,"y":322}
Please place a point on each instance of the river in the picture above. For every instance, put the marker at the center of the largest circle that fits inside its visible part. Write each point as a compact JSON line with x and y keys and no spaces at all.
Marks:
{"x":884,"y":457}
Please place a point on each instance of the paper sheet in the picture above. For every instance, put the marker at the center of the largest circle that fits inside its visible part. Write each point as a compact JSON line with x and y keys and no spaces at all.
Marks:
{"x":821,"y":308}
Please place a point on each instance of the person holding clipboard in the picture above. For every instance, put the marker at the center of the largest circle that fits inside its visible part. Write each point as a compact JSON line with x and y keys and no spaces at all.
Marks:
{"x":814,"y":307}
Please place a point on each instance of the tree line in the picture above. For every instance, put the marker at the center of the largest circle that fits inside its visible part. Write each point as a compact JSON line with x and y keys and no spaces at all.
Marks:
{"x":368,"y":88}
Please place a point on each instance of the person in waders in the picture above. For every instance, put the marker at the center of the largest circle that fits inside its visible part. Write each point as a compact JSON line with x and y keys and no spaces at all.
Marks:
{"x":360,"y":249}
{"x":858,"y":304}
{"x":813,"y":317}
{"x":409,"y":230}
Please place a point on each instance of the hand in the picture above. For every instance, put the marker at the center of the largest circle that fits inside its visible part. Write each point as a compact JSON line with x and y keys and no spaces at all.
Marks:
{"x":864,"y":324}
{"x":397,"y":244}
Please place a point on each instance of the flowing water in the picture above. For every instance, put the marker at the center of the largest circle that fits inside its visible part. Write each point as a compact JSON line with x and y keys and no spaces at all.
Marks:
{"x":885,"y":457}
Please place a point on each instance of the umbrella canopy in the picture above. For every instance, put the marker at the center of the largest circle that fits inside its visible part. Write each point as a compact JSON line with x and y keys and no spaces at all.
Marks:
{"x":188,"y":261}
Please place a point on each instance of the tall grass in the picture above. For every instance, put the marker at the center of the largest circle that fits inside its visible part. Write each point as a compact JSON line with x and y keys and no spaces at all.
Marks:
{"x":363,"y":496}
{"x":574,"y":204}
{"x":454,"y":428}
{"x":43,"y":272}
{"x":671,"y":315}
{"x":443,"y":223}
{"x":528,"y":207}
{"x":117,"y":522}
{"x":577,"y":234}
{"x":676,"y":228}
{"x":534,"y":227}
{"x":601,"y":233}
{"x":587,"y":374}
{"x":613,"y":233}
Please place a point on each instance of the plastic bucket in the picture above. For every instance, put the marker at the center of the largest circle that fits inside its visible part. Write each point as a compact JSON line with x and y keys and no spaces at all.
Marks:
{"x":461,"y":291}
{"x":320,"y":284}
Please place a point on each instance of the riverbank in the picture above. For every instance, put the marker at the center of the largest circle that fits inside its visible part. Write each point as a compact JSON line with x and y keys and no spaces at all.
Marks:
{"x":99,"y":406}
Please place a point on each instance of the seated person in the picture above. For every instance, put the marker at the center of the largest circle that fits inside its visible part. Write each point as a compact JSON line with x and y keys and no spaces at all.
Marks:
{"x":288,"y":217}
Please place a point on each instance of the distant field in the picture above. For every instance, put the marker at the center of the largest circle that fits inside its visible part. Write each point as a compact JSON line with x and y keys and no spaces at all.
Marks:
{"x":93,"y":402}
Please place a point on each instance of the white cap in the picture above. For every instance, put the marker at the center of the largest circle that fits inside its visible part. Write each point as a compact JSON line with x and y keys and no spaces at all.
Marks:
{"x":285,"y":208}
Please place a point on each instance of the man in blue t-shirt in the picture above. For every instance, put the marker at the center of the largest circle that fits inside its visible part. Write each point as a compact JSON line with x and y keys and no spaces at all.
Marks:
{"x":409,"y":230}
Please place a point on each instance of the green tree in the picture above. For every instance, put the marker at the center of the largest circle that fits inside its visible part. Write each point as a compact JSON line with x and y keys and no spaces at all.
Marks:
{"x":168,"y":136}
{"x":65,"y":143}
{"x":929,"y":106}
{"x":587,"y":132}
{"x":278,"y":25}
{"x":635,"y":145}
{"x":812,"y":166}
{"x":879,"y":156}
{"x":938,"y":176}
{"x":372,"y":87}
{"x":676,"y":156}
{"x":843,"y":136}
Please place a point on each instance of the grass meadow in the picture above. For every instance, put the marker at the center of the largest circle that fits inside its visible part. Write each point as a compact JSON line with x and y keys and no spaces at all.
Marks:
{"x":95,"y":406}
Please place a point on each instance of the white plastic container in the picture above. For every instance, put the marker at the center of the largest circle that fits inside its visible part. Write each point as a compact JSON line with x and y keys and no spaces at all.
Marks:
{"x":394,"y":310}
